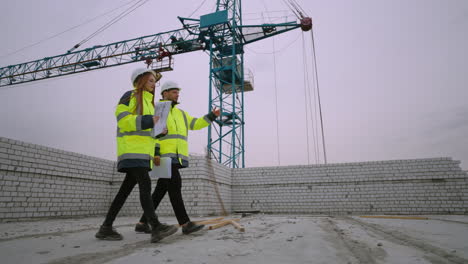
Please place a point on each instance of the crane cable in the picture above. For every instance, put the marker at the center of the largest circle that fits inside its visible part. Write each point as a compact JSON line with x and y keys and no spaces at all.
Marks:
{"x":317,"y":99}
{"x":317,"y":146}
{"x":197,"y":8}
{"x":298,"y":8}
{"x":275,"y":51}
{"x":276,"y":106}
{"x":305,"y":100}
{"x":65,"y":31}
{"x":292,"y":9}
{"x":274,"y":18}
{"x":318,"y":96}
{"x":276,"y":94}
{"x":110,"y":23}
{"x":300,"y":13}
{"x":309,"y":103}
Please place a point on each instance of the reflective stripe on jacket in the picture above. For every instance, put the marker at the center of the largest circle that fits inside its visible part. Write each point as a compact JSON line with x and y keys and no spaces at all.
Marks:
{"x":174,"y":144}
{"x":135,"y":144}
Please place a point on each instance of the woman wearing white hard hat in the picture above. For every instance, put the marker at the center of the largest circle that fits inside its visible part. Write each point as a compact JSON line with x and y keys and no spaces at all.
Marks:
{"x":135,"y":151}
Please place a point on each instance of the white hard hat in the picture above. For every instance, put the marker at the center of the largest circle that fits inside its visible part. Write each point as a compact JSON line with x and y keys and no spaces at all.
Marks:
{"x":169,"y":85}
{"x":140,"y":71}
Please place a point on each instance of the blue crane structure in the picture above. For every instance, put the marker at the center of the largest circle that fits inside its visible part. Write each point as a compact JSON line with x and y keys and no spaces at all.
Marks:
{"x":221,"y":34}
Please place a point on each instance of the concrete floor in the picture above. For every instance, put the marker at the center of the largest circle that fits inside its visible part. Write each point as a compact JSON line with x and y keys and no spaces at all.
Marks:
{"x":267,"y":239}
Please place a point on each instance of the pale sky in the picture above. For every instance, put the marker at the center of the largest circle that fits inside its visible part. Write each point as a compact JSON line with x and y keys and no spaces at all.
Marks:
{"x":392,"y":76}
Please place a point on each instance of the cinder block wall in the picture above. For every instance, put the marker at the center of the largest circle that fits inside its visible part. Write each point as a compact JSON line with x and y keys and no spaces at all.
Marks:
{"x":421,"y":186}
{"x":38,"y":182}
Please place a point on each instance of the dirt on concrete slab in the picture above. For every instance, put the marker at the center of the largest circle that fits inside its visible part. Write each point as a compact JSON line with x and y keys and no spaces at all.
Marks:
{"x":267,"y":239}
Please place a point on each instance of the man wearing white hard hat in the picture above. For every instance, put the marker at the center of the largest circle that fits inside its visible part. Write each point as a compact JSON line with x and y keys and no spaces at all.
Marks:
{"x":175,"y":146}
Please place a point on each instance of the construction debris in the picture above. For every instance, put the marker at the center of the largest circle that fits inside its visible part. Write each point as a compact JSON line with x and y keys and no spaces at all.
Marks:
{"x":245,"y":213}
{"x":220,"y":222}
{"x":237,"y":226}
{"x":209,"y":221}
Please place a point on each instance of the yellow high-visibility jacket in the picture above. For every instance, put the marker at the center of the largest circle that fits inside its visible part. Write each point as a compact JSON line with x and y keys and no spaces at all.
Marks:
{"x":174,"y":144}
{"x":135,"y":144}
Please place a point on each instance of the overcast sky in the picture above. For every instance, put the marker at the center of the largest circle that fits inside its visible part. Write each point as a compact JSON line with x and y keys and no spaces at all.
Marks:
{"x":393,"y":78}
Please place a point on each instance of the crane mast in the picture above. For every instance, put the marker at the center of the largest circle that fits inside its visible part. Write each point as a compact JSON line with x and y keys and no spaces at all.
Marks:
{"x":221,"y":34}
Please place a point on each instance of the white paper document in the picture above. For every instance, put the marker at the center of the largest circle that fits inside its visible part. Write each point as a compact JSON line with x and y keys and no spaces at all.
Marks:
{"x":161,"y":109}
{"x":163,"y":170}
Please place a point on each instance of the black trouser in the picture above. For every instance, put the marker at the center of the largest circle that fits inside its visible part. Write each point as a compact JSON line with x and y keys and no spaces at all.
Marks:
{"x":174,"y":187}
{"x":134,"y":176}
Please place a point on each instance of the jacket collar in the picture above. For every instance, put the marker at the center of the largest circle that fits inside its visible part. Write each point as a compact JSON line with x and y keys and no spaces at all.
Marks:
{"x":147,"y":94}
{"x":173,"y":104}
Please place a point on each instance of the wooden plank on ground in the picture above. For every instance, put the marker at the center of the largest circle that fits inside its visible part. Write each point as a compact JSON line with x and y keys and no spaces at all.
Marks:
{"x":237,"y":226}
{"x":209,"y":221}
{"x":221,"y":224}
{"x":395,"y":217}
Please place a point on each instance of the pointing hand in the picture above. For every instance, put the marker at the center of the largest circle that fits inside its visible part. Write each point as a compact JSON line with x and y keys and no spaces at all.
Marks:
{"x":216,"y":111}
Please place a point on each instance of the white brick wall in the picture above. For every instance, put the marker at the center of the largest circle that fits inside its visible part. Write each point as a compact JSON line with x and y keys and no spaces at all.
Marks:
{"x":37,"y":181}
{"x":422,"y":186}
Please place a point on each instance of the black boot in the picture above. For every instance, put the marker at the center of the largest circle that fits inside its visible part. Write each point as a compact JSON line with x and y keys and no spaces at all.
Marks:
{"x":143,"y":228}
{"x":108,"y":233}
{"x":161,"y":231}
{"x":191,"y":227}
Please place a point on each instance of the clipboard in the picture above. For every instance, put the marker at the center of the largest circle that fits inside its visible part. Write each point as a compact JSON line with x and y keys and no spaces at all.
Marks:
{"x":164,"y":170}
{"x":161,"y":109}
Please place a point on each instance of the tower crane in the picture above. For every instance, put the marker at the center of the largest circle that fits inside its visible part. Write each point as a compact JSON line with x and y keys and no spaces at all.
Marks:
{"x":220,"y":33}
